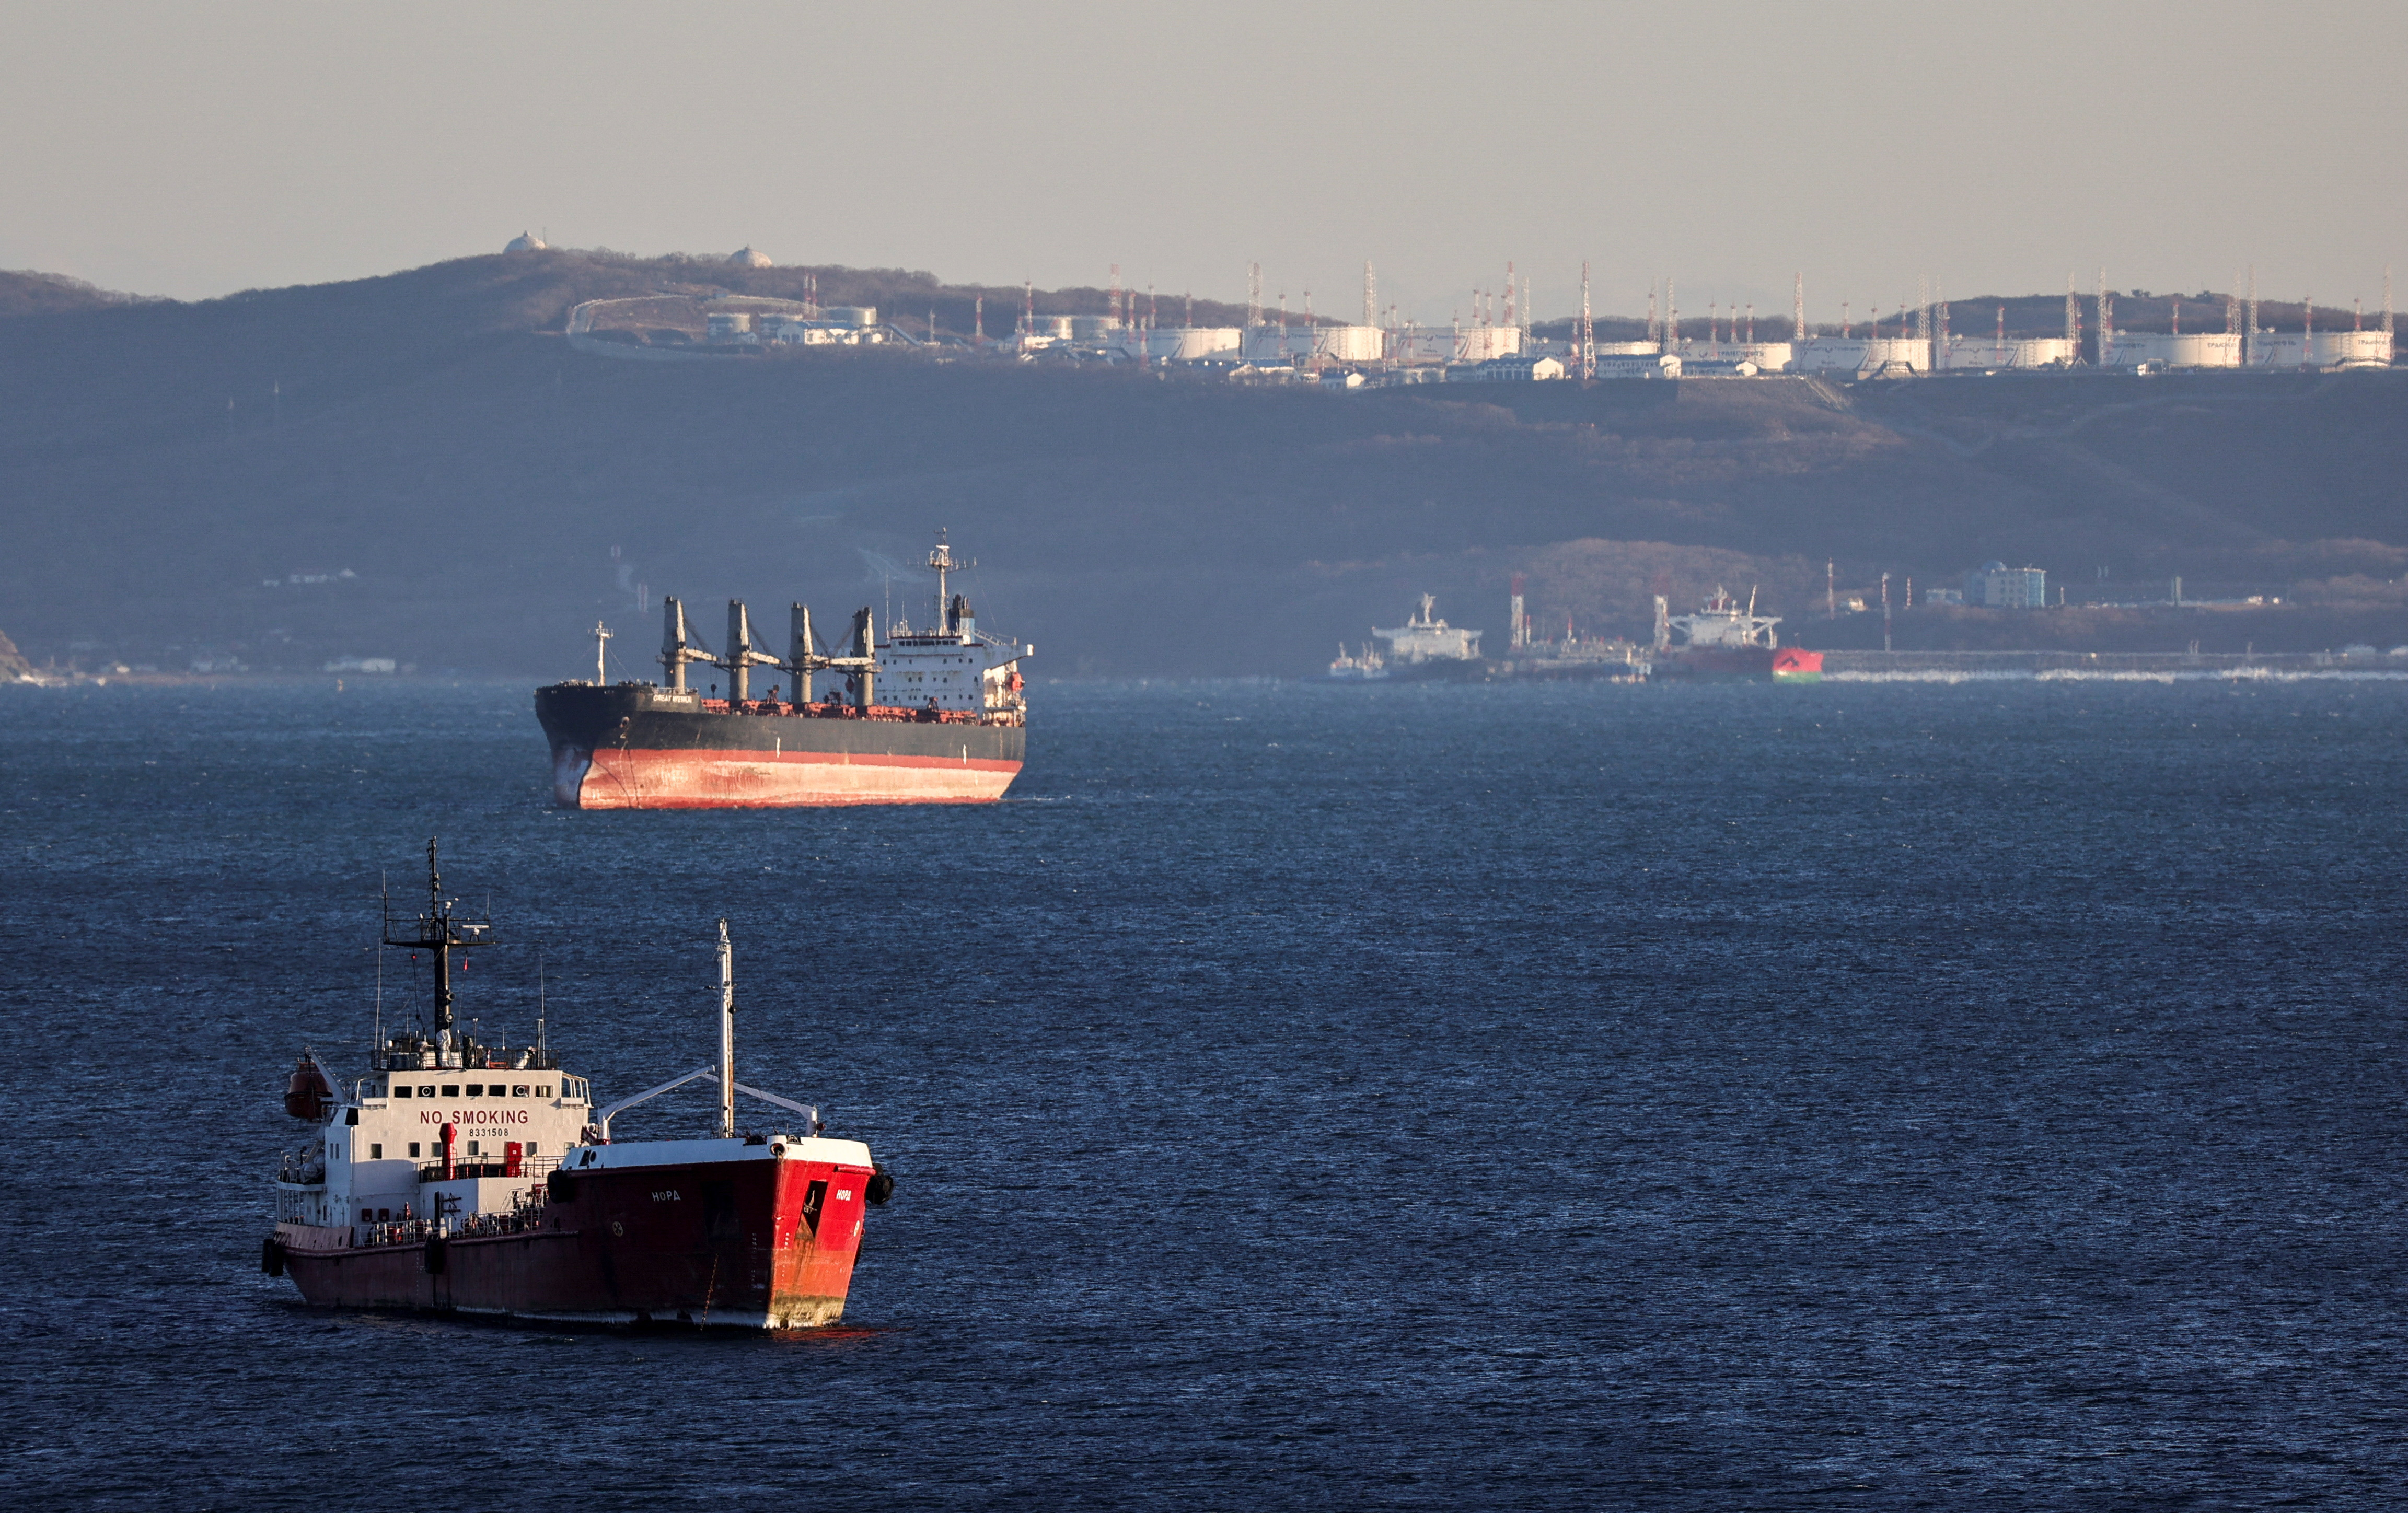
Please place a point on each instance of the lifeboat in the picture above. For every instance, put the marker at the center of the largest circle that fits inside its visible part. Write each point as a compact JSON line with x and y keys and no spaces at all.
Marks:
{"x":305,"y":1094}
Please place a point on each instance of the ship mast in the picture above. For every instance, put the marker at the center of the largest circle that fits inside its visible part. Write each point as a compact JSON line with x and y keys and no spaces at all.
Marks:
{"x":438,"y":932}
{"x":942,"y":559}
{"x":726,"y":1036}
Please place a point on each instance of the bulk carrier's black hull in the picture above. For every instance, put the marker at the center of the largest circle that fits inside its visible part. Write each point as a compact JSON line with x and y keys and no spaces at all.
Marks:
{"x":634,"y":746}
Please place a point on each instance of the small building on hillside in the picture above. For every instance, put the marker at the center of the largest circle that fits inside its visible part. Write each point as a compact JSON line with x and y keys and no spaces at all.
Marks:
{"x":1994,"y":585}
{"x":1649,"y":363}
{"x":1517,"y":368}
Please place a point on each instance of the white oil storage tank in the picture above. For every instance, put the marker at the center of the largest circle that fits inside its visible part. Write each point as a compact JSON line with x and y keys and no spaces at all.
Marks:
{"x":1349,"y":344}
{"x":1187,"y":344}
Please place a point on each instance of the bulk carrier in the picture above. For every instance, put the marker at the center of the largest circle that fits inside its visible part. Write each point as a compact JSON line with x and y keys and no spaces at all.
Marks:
{"x":464,"y":1175}
{"x":935,"y":716}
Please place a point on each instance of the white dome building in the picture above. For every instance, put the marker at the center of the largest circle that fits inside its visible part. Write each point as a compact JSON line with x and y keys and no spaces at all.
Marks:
{"x":525,"y":241}
{"x":745,"y":257}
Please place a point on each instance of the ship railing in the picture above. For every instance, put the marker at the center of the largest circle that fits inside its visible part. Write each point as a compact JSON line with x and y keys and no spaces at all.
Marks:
{"x":901,"y":713}
{"x":528,"y":1166}
{"x":522,"y":1220}
{"x":518,"y":1220}
{"x":395,"y":1232}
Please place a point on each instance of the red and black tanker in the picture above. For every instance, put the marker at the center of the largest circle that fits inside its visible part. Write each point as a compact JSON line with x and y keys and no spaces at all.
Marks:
{"x":465,"y":1176}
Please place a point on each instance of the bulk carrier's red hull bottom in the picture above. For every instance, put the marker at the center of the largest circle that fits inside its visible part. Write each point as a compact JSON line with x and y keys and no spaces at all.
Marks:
{"x":631,"y":746}
{"x":735,"y":1246}
{"x":621,"y":779}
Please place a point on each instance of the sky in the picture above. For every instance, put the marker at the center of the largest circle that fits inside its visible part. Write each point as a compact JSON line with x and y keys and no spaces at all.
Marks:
{"x":194,"y":150}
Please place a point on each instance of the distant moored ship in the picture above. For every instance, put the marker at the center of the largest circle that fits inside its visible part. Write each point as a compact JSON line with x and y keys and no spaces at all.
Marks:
{"x":1724,"y":639}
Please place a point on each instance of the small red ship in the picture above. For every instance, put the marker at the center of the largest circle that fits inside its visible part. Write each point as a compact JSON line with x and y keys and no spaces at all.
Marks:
{"x":931,"y":716}
{"x":467,"y":1176}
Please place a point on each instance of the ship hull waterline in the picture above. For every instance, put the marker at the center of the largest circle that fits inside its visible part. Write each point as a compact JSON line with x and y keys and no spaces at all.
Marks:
{"x":734,"y":1246}
{"x":622,"y":779}
{"x":633,"y":747}
{"x":1738,"y":664}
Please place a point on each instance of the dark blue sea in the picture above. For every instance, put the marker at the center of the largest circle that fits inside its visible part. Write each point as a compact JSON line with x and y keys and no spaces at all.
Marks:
{"x":1927,"y":1096}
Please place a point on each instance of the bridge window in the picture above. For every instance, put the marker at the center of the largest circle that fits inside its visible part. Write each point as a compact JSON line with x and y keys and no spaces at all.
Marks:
{"x":376,"y":1152}
{"x":476,"y":1090}
{"x":451,"y":1090}
{"x":401,"y":1090}
{"x":543,"y":1090}
{"x":413,"y":1148}
{"x":519,"y":1090}
{"x":425,"y":1090}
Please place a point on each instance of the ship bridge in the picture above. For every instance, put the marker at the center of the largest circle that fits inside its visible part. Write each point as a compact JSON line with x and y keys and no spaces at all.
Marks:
{"x":468,"y":1132}
{"x":952,"y":667}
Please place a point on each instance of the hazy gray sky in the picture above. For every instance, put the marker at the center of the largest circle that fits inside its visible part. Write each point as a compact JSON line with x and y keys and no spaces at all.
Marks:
{"x":193,"y":149}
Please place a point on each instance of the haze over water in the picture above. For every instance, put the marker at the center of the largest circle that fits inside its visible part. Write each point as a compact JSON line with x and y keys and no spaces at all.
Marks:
{"x":1855,"y":1096}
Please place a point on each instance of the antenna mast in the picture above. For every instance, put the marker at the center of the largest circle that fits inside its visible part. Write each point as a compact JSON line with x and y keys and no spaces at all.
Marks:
{"x":726,"y":1036}
{"x":942,"y":559}
{"x":2106,"y":320}
{"x":1587,"y":334}
{"x":2249,"y":331}
{"x":601,"y":637}
{"x":441,"y":934}
{"x":1253,"y":295}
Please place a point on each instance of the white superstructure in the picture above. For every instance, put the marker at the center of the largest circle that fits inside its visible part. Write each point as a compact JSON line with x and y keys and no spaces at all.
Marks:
{"x":1425,"y":637}
{"x":473,"y":1131}
{"x":1723,"y":622}
{"x":950,"y":666}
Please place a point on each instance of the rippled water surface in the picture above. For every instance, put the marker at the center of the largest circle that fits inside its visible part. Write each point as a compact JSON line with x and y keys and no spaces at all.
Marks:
{"x":1862,"y":1096}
